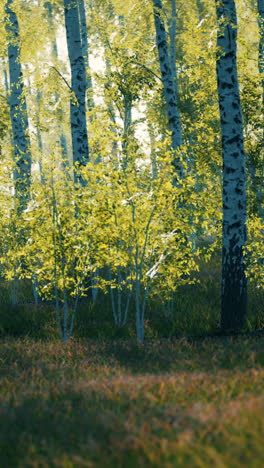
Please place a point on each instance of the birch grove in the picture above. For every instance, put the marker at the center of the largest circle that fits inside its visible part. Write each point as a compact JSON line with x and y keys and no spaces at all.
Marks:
{"x":131,"y":140}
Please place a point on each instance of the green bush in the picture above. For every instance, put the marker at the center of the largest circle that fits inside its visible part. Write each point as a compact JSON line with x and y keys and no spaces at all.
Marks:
{"x":193,"y":310}
{"x":38,"y":321}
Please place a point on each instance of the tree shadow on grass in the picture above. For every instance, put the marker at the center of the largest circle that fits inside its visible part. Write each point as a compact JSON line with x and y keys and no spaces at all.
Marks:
{"x":41,"y":429}
{"x":202,"y":354}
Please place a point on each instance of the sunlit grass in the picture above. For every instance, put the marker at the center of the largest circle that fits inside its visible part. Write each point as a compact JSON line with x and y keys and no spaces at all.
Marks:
{"x":169,"y":403}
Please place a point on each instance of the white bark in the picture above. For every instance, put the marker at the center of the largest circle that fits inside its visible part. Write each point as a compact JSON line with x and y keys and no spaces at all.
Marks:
{"x":120,"y":307}
{"x":18,"y":112}
{"x":260,"y":193}
{"x":78,"y":85}
{"x":85,"y":49}
{"x":63,"y":140}
{"x":234,"y":284}
{"x":261,"y":42}
{"x":172,"y":49}
{"x":169,"y":84}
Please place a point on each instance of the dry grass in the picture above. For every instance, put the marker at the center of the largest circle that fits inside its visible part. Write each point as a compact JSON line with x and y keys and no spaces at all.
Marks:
{"x":162,"y":404}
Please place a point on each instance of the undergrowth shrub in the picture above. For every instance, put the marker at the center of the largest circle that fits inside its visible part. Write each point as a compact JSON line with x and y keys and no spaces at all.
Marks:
{"x":37,"y":321}
{"x":193,"y":310}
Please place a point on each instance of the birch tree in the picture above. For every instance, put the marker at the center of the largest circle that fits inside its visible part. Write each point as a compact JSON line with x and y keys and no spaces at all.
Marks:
{"x":234,"y":283}
{"x":85,"y":49}
{"x":261,"y":71}
{"x":172,"y":49}
{"x":78,"y":85}
{"x":55,"y":56}
{"x":261,"y":43}
{"x":169,"y":83}
{"x":18,"y":112}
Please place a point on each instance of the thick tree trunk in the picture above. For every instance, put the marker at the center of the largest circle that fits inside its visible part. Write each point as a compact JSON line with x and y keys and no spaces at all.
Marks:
{"x":168,"y":83}
{"x":78,"y":85}
{"x":18,"y":113}
{"x":234,"y":283}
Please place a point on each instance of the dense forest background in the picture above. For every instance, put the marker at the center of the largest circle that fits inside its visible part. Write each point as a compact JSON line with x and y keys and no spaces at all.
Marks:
{"x":113,"y":120}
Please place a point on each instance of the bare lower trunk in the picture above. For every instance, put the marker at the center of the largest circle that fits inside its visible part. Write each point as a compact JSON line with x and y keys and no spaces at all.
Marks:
{"x":14,"y":284}
{"x":120,"y":302}
{"x":35,"y":290}
{"x":140,"y":310}
{"x":65,"y":316}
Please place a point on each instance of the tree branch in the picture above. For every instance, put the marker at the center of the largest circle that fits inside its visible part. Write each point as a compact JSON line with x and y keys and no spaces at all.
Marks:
{"x":62,"y":77}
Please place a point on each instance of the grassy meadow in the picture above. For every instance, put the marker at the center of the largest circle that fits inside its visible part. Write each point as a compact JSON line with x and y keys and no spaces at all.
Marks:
{"x":101,"y":403}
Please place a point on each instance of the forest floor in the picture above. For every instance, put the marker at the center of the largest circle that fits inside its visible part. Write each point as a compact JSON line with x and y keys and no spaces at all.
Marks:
{"x":167,"y":403}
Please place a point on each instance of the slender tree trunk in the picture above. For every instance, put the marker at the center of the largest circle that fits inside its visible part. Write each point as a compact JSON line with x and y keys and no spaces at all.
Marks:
{"x":154,"y":164}
{"x":168,"y":83}
{"x":140,"y":319}
{"x":63,"y":140}
{"x":261,"y":43}
{"x":78,"y":85}
{"x":127,"y":127}
{"x":111,"y":112}
{"x":260,"y":194}
{"x":18,"y":113}
{"x":49,"y":7}
{"x":6,"y":83}
{"x":85,"y":49}
{"x":39,"y":137}
{"x":234,"y":283}
{"x":128,"y":104}
{"x":14,"y":289}
{"x":172,"y":49}
{"x":35,"y":289}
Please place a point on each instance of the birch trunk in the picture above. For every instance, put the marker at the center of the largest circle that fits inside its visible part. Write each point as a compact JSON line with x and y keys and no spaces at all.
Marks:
{"x":261,"y":43}
{"x":172,"y":34}
{"x":63,"y":139}
{"x":18,"y":113}
{"x":140,"y":319}
{"x":234,"y":283}
{"x":78,"y":84}
{"x":127,"y":127}
{"x":6,"y":83}
{"x":85,"y":50}
{"x":260,"y":194}
{"x":169,"y":83}
{"x":111,"y":112}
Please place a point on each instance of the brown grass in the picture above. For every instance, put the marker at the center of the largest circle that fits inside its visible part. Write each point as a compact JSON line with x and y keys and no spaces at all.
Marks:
{"x":162,"y":404}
